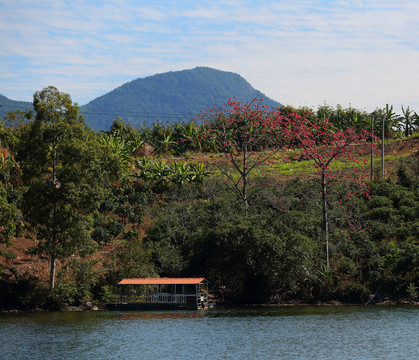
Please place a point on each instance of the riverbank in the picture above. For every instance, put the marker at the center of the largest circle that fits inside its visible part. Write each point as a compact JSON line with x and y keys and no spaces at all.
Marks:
{"x":102,"y":307}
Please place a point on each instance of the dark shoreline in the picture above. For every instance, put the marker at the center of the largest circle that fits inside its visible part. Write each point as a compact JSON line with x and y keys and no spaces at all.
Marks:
{"x":391,"y":303}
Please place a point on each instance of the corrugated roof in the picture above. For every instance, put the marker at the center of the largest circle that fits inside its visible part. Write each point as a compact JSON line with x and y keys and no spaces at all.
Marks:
{"x":162,"y":281}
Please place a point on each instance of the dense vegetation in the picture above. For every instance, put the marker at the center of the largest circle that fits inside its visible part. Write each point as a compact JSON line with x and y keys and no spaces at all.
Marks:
{"x":206,"y":198}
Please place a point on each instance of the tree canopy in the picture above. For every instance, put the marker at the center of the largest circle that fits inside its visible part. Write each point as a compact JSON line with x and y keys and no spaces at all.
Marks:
{"x":64,"y":168}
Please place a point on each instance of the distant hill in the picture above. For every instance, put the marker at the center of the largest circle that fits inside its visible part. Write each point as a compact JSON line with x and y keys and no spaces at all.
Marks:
{"x":169,"y":96}
{"x":7,"y":105}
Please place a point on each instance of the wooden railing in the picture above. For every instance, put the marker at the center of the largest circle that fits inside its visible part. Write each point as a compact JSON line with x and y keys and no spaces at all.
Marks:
{"x":152,"y":298}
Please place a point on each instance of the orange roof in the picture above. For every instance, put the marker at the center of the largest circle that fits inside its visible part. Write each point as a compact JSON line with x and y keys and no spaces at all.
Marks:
{"x":162,"y":281}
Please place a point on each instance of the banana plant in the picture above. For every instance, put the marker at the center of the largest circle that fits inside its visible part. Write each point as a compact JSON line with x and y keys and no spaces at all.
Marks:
{"x":407,"y":119}
{"x":415,"y":122}
{"x":356,"y":120}
{"x":123,"y":147}
{"x":392,"y":123}
{"x":134,"y":142}
{"x":191,"y":134}
{"x":160,"y":171}
{"x":198,"y":173}
{"x":180,"y":172}
{"x":167,"y":143}
{"x":326,"y":274}
{"x":118,"y":146}
{"x":144,"y":167}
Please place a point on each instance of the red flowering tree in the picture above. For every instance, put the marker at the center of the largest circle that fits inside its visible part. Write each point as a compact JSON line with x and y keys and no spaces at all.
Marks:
{"x":246,"y":134}
{"x":325,"y":145}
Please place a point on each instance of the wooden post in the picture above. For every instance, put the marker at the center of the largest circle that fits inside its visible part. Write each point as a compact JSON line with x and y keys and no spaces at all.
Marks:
{"x":325,"y":222}
{"x":197,"y":295}
{"x":382,"y":148}
{"x":372,"y":150}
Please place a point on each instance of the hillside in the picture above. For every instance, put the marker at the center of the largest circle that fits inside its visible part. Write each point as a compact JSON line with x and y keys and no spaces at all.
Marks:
{"x":23,"y":263}
{"x":7,"y":105}
{"x":169,"y":96}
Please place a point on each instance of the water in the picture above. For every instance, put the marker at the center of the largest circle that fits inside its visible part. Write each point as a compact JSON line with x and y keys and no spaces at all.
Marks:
{"x":345,"y":332}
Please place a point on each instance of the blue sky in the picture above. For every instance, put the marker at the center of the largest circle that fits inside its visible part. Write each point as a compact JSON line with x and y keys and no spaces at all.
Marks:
{"x":302,"y":53}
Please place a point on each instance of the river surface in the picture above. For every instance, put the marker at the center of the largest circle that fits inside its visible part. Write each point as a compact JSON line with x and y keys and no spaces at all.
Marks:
{"x":312,"y":332}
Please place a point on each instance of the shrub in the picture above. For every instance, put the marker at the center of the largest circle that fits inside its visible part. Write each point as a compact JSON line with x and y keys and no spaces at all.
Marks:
{"x":354,"y":293}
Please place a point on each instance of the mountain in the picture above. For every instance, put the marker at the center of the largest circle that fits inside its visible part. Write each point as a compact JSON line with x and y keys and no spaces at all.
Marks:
{"x":171,"y":96}
{"x":12,"y":105}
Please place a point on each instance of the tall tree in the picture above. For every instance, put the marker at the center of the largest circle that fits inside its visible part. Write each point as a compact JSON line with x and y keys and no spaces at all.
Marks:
{"x":9,"y":179}
{"x":8,"y":216}
{"x":247,"y":134}
{"x":324,"y":145}
{"x":64,"y":168}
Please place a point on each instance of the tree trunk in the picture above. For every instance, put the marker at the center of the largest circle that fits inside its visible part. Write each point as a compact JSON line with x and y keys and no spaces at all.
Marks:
{"x":52,"y":272}
{"x":54,"y":217}
{"x":325,"y":222}
{"x":246,"y":204}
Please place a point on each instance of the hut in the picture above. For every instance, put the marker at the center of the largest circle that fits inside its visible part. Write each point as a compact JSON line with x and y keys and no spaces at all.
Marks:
{"x":162,"y":294}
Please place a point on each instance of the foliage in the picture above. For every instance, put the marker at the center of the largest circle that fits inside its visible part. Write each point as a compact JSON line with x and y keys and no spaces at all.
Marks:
{"x":123,"y":141}
{"x":159,"y":174}
{"x":324,"y":145}
{"x":64,"y":169}
{"x":8,"y":217}
{"x":9,"y":199}
{"x":237,"y":253}
{"x":344,"y":118}
{"x":408,"y":118}
{"x":174,"y":217}
{"x":248,"y":134}
{"x":75,"y":283}
{"x":130,"y":259}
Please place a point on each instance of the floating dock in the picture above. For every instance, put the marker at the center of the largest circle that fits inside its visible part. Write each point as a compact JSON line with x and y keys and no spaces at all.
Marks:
{"x":162,"y":294}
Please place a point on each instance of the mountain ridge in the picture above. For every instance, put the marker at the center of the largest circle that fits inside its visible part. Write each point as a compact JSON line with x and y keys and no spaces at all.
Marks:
{"x":7,"y":105}
{"x":177,"y":95}
{"x":169,"y":96}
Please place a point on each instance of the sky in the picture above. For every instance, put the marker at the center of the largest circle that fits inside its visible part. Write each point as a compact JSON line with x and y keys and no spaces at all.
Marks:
{"x":355,"y":53}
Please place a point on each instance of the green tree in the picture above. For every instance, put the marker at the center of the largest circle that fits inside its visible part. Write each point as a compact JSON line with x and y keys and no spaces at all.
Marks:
{"x":8,"y":215}
{"x":324,"y":146}
{"x":64,"y":169}
{"x":9,"y":198}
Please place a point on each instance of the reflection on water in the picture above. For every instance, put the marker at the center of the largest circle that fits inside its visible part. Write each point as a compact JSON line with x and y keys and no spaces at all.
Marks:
{"x":147,"y":315}
{"x":310,"y":332}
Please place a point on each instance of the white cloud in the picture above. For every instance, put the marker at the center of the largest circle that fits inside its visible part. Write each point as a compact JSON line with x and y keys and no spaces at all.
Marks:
{"x":300,"y":52}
